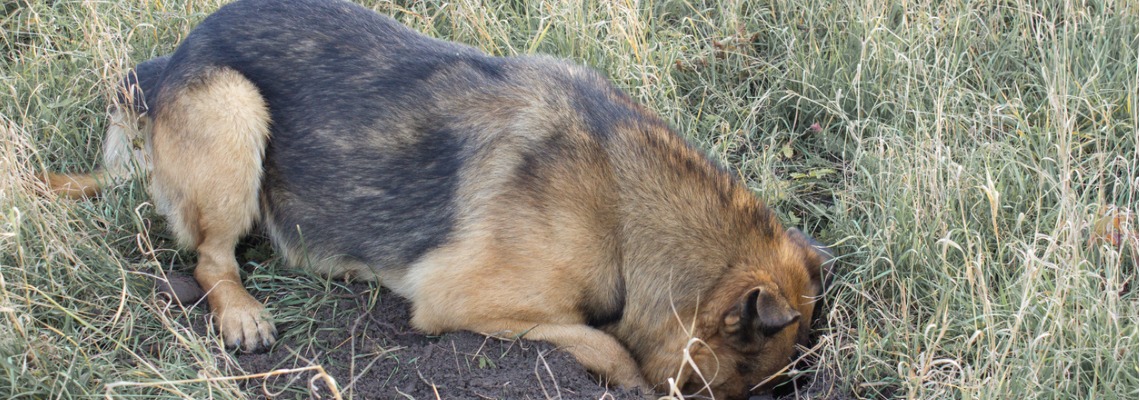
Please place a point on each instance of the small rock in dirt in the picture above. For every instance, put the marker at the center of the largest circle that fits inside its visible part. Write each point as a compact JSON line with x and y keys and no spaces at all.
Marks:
{"x":182,"y":288}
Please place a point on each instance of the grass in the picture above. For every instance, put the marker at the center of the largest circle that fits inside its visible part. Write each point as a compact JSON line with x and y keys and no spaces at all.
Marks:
{"x":966,"y":159}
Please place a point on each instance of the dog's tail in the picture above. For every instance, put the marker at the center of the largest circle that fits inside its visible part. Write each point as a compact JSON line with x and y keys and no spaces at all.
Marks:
{"x":126,"y":147}
{"x":124,"y":157}
{"x":73,"y":186}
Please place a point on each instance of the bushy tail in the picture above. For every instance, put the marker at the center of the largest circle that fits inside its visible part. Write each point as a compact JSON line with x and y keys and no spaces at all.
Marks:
{"x":124,"y":157}
{"x":74,"y":186}
{"x":126,"y":146}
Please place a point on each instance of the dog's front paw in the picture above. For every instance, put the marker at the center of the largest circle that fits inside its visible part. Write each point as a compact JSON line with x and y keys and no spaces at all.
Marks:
{"x":243,"y":322}
{"x":628,"y":378}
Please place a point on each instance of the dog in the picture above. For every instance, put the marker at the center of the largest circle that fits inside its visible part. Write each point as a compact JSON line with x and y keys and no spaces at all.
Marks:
{"x":511,"y":196}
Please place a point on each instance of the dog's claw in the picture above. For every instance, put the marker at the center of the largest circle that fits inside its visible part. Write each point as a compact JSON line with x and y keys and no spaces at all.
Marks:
{"x":243,"y":322}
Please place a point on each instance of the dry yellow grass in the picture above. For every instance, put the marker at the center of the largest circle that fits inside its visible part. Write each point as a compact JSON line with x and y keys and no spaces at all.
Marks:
{"x":974,"y":164}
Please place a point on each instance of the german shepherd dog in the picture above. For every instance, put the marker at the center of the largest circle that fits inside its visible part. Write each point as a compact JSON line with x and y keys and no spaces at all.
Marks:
{"x":512,"y":196}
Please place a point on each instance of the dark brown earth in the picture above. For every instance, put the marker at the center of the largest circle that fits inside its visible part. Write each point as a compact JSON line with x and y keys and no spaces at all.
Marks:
{"x":363,"y":340}
{"x":378,"y":356}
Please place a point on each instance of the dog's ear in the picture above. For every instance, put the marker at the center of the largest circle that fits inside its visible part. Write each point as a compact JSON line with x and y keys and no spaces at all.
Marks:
{"x":821,"y":277}
{"x":760,"y":311}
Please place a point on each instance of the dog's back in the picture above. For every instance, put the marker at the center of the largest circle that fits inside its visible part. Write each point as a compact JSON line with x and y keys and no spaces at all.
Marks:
{"x":369,"y":118}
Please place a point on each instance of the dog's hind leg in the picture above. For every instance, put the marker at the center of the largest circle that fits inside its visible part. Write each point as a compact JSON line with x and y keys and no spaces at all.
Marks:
{"x":210,"y":135}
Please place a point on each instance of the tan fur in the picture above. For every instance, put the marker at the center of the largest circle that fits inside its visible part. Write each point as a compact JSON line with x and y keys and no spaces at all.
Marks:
{"x":73,"y":186}
{"x":520,"y":268}
{"x":205,"y":151}
{"x":208,"y":144}
{"x":626,"y":247}
{"x":126,"y":149}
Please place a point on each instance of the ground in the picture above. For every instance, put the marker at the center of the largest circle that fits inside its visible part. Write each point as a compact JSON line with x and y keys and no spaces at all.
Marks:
{"x":972,"y":163}
{"x":360,"y":336}
{"x":379,"y":355}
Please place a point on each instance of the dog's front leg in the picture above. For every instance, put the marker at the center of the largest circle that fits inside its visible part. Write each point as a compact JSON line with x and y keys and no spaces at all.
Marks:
{"x":594,"y":349}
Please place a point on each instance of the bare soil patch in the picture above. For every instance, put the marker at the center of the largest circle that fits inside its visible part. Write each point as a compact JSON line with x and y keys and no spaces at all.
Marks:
{"x":362,"y":338}
{"x":377,"y":355}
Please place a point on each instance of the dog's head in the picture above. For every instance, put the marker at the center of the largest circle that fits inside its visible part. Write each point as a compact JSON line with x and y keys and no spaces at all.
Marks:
{"x":760,"y":314}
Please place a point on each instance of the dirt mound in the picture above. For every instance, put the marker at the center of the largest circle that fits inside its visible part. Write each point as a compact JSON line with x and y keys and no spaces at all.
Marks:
{"x":377,"y":355}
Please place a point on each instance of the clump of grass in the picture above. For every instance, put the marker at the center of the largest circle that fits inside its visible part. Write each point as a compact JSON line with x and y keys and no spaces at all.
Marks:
{"x":962,"y":157}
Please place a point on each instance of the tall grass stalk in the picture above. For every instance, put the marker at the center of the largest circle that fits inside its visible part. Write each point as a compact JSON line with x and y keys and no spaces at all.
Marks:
{"x":970,"y":162}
